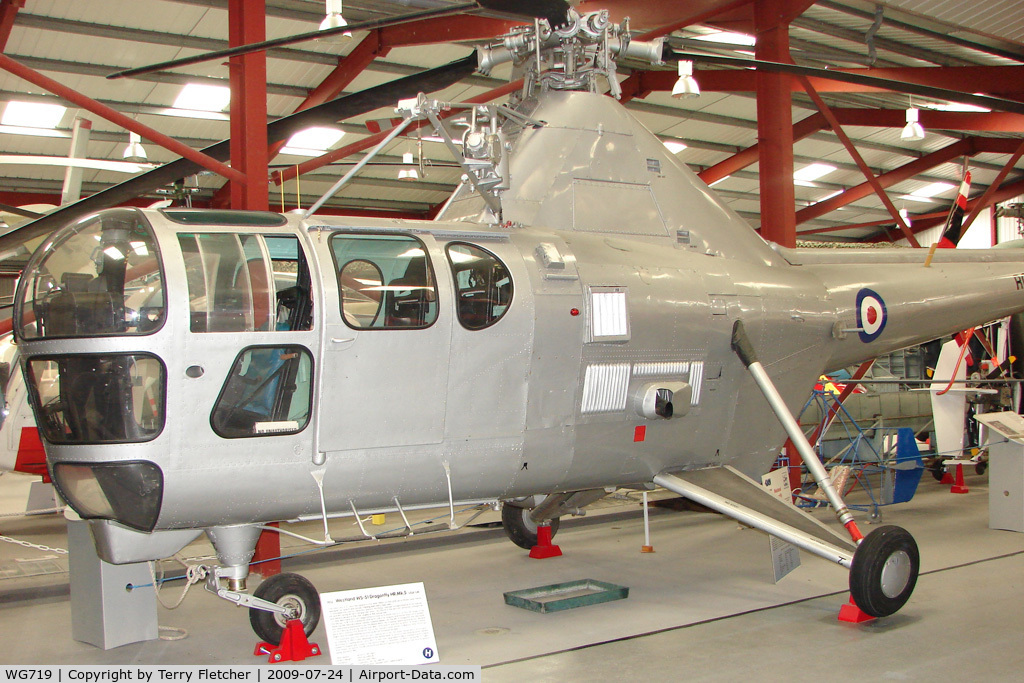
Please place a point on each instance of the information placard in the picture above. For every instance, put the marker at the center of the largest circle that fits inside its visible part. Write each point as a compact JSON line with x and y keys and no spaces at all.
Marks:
{"x":785,"y":555}
{"x":387,"y":625}
{"x":1006,"y":423}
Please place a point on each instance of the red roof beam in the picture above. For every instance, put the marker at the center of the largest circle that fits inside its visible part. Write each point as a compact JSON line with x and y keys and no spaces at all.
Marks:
{"x":986,"y":199}
{"x":1004,"y":193}
{"x":852,"y":150}
{"x":8,"y":11}
{"x":995,"y":122}
{"x":801,"y":129}
{"x":349,"y":67}
{"x":119,"y":119}
{"x":965,"y":147}
{"x":664,"y":16}
{"x":898,"y":175}
{"x":872,"y":224}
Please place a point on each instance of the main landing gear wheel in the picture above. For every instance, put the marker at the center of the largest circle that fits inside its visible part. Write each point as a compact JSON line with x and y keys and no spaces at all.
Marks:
{"x":287,"y":590}
{"x":884,"y":571}
{"x":520,"y":528}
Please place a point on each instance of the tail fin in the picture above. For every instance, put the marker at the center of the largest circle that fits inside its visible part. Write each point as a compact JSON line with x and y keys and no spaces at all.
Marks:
{"x":951,"y":232}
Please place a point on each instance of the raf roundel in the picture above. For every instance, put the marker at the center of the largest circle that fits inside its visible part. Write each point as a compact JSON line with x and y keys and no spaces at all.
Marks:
{"x":871,"y":315}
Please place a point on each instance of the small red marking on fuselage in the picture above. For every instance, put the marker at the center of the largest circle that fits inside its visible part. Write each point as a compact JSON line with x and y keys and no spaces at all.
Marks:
{"x":639,"y":434}
{"x":31,"y":458}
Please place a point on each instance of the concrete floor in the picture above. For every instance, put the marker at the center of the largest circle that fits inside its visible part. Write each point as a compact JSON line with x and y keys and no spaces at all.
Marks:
{"x":702,"y":607}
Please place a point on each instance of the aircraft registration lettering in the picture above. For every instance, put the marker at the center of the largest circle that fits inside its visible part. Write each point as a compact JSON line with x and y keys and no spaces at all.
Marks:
{"x":871,"y":315}
{"x":1019,"y":281}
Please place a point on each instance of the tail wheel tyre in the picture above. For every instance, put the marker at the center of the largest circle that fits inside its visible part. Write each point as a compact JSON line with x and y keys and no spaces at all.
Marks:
{"x":520,"y":528}
{"x":288,"y":590}
{"x":884,"y":571}
{"x":938,"y":471}
{"x":981,"y":467}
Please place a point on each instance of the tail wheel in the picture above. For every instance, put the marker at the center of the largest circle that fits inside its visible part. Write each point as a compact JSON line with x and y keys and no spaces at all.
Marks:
{"x":884,"y":571}
{"x":288,"y":590}
{"x":520,"y":528}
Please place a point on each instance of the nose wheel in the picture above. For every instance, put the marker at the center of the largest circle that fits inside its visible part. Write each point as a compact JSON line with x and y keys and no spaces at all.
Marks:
{"x":293,"y":592}
{"x":884,"y":571}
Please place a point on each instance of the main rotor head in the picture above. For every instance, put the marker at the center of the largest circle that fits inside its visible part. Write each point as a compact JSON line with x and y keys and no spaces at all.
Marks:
{"x":575,"y":55}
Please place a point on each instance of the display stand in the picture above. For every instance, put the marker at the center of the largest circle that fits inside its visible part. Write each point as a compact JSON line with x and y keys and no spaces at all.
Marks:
{"x":1006,"y":486}
{"x":1005,"y":470}
{"x":103,"y":612}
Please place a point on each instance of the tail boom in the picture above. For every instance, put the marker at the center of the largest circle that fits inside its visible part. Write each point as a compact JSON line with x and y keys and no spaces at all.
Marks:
{"x":886,"y":301}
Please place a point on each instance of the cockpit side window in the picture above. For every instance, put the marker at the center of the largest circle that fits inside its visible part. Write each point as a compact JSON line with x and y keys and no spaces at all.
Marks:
{"x":246,"y":283}
{"x":98,"y":398}
{"x":98,"y":277}
{"x":268,"y":392}
{"x":483,"y":286}
{"x":385,"y":281}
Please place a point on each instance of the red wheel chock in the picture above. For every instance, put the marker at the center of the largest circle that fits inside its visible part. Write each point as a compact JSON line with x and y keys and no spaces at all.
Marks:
{"x":294,"y":645}
{"x":852,"y":614}
{"x":544,"y":547}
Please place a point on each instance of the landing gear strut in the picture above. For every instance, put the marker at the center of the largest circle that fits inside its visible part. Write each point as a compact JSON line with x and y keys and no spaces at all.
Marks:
{"x":885,"y":566}
{"x":278,"y":600}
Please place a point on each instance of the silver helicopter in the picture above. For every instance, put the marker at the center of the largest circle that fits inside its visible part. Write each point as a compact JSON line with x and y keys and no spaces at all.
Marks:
{"x":584,"y":314}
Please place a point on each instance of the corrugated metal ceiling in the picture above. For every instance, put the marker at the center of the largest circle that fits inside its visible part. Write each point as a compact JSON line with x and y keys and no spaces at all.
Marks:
{"x":73,"y":43}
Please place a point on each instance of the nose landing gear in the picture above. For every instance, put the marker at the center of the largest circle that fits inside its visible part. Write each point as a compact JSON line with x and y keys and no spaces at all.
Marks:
{"x":296,"y":595}
{"x":277,"y":601}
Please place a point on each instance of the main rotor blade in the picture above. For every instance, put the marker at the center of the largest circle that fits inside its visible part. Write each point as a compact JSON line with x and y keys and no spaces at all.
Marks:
{"x":997,"y":103}
{"x":18,"y":211}
{"x":552,"y":10}
{"x":297,"y":38}
{"x":345,"y":107}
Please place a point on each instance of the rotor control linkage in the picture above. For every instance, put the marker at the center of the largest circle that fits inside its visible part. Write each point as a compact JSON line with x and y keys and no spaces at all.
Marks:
{"x":244,"y":599}
{"x":745,"y":350}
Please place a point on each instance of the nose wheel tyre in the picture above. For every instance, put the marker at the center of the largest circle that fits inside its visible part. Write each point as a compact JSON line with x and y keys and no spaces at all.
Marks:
{"x":884,"y":571}
{"x":288,"y":590}
{"x":520,"y":528}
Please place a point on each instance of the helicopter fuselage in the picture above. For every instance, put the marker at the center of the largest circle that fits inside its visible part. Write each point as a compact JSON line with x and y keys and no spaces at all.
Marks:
{"x":192,"y":369}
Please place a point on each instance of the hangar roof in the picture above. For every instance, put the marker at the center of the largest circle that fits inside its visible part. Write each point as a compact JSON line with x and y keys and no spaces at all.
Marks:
{"x":78,"y":44}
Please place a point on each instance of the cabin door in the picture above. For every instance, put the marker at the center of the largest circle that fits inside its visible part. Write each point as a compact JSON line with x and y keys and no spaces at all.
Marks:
{"x":384,"y":369}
